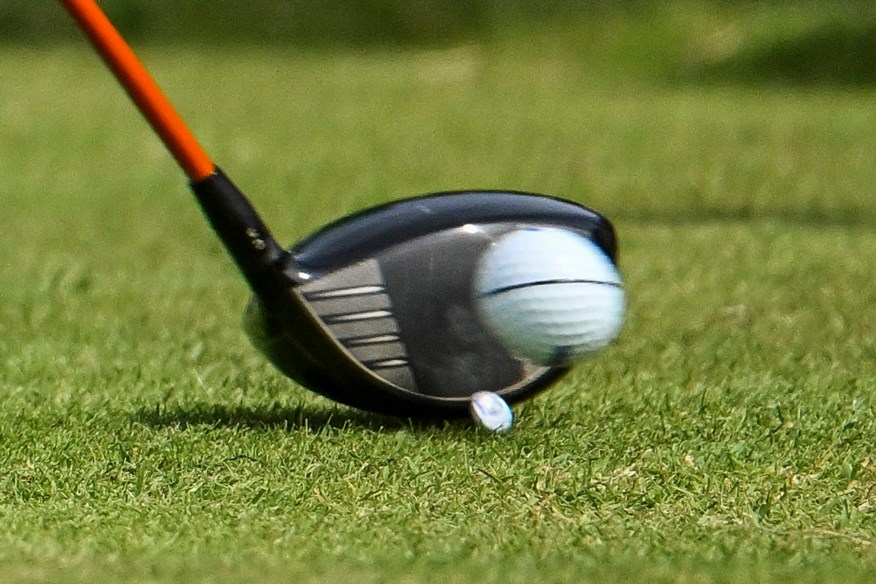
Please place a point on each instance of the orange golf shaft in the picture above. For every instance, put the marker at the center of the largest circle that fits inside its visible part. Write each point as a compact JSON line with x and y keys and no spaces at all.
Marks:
{"x":143,"y":90}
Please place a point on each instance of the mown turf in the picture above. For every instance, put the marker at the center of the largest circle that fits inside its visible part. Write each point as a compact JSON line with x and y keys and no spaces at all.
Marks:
{"x":727,"y":437}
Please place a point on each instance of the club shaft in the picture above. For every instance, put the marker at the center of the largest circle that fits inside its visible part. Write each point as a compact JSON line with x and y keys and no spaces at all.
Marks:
{"x":258,"y":255}
{"x":142,"y":89}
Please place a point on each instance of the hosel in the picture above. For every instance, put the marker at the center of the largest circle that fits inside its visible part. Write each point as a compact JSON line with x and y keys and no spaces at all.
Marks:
{"x":249,"y":242}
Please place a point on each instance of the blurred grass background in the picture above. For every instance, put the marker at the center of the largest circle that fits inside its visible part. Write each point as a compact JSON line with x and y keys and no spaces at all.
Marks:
{"x":776,"y":41}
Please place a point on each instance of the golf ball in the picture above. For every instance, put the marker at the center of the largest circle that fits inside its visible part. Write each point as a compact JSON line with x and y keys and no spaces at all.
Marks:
{"x":491,"y":411}
{"x":549,"y":295}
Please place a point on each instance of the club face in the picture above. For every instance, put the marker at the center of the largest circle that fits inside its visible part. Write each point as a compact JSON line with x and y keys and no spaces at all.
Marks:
{"x":384,"y":317}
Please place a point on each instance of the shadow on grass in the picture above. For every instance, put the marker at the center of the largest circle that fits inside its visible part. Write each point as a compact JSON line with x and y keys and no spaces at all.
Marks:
{"x":269,"y":416}
{"x":834,"y":54}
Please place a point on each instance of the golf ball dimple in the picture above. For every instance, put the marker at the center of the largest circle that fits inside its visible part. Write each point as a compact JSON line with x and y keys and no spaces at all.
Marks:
{"x":549,"y":295}
{"x":491,"y":411}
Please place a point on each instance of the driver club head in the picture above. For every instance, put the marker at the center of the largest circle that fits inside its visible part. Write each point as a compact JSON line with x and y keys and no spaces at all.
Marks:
{"x":377,"y":310}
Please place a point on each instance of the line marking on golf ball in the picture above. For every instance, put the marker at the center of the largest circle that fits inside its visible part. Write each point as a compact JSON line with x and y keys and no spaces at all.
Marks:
{"x":512,"y":287}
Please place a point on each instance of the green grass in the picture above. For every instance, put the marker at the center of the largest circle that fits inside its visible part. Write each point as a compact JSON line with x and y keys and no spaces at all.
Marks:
{"x":727,"y":437}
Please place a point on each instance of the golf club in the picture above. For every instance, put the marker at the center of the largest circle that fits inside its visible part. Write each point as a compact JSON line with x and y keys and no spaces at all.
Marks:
{"x":375,"y":310}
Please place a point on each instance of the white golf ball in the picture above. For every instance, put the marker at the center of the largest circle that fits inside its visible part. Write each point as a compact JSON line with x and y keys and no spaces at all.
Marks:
{"x":491,"y":411}
{"x":549,"y":295}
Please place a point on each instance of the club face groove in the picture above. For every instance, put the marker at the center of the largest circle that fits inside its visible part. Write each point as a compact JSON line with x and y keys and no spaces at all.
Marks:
{"x":386,"y":317}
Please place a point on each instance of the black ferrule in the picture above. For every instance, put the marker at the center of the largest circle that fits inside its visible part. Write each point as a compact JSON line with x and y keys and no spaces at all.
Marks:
{"x":242,"y":231}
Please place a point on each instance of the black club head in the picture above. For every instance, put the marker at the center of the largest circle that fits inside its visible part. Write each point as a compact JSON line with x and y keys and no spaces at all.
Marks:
{"x":377,"y":309}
